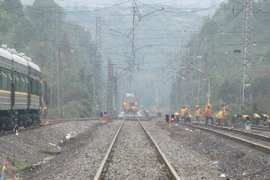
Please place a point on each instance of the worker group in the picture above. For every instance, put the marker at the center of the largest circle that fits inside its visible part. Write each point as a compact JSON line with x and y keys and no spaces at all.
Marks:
{"x":221,"y":117}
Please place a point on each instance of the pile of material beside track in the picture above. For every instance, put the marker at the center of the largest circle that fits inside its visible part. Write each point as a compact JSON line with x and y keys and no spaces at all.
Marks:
{"x":46,"y":122}
{"x":263,"y":146}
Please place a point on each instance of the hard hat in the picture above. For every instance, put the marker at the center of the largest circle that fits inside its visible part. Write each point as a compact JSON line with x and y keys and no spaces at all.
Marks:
{"x":197,"y":106}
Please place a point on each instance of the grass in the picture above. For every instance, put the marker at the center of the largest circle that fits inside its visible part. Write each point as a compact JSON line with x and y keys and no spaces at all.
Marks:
{"x":23,"y":166}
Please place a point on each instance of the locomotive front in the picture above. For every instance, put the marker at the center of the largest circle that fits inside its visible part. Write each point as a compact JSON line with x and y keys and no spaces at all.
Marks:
{"x":130,"y":104}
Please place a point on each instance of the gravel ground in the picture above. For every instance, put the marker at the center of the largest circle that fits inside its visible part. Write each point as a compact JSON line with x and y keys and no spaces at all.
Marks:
{"x":193,"y":153}
{"x":264,"y":142}
{"x":134,"y":156}
{"x":188,"y":163}
{"x":78,"y":158}
{"x":234,"y":160}
{"x":25,"y":148}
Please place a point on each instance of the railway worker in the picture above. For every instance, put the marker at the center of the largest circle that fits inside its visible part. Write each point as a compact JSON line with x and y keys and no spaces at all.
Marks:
{"x":207,"y":113}
{"x":265,"y":119}
{"x":187,"y":114}
{"x":182,"y":114}
{"x":176,"y":114}
{"x":198,"y":113}
{"x":226,"y":115}
{"x":257,"y":118}
{"x":244,"y":117}
{"x":222,"y":115}
{"x":219,"y":117}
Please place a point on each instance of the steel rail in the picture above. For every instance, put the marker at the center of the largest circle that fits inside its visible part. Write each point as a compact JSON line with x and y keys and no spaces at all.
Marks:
{"x":260,"y":129}
{"x":249,"y":134}
{"x":256,"y":127}
{"x":172,"y":170}
{"x":257,"y":146}
{"x":100,"y":169}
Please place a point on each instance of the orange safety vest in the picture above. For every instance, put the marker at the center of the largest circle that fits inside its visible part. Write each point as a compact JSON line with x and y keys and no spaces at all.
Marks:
{"x":207,"y":112}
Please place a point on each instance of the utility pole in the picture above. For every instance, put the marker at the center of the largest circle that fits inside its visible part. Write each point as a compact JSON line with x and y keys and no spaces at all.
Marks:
{"x":133,"y":33}
{"x":110,"y":89}
{"x":51,"y":76}
{"x":183,"y":83}
{"x":246,"y":93}
{"x":115,"y":92}
{"x":97,"y":69}
{"x":206,"y":80}
{"x":58,"y":66}
{"x":156,"y":94}
{"x":133,"y":58}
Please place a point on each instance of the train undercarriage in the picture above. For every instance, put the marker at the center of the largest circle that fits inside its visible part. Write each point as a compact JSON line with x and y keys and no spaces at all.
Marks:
{"x":11,"y":120}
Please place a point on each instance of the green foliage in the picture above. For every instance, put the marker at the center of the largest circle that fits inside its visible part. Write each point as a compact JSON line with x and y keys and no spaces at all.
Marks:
{"x":39,"y":30}
{"x":23,"y":166}
{"x":220,"y":36}
{"x":228,"y":92}
{"x":78,"y":109}
{"x":261,"y":93}
{"x":5,"y":23}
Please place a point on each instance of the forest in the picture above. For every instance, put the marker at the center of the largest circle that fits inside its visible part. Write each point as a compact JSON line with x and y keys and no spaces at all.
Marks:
{"x":220,"y":37}
{"x":43,"y":35}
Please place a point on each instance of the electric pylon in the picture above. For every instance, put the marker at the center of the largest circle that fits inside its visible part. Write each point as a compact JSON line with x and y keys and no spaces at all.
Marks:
{"x":97,"y":69}
{"x":246,"y":93}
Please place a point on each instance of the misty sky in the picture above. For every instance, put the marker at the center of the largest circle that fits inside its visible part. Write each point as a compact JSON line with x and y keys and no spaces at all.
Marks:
{"x":193,"y":3}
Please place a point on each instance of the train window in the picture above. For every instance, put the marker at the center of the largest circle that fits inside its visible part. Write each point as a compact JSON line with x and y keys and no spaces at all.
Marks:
{"x":26,"y":84}
{"x":16,"y":78}
{"x":33,"y":86}
{"x":22,"y":84}
{"x":37,"y":83}
{"x":9,"y":76}
{"x":9,"y":82}
{"x":16,"y":85}
{"x":1,"y":80}
{"x":39,"y":88}
{"x":4,"y":79}
{"x":3,"y":74}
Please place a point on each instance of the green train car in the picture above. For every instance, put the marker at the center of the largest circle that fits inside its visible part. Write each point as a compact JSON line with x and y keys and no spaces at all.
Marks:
{"x":20,"y":90}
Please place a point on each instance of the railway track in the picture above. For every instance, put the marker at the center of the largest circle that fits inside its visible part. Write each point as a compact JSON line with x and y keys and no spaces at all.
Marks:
{"x":260,"y":128}
{"x":256,"y":141}
{"x":130,"y":155}
{"x":252,"y":133}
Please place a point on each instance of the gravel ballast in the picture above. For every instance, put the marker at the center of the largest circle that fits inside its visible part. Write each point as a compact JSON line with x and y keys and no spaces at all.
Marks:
{"x":232,"y":160}
{"x":187,"y":163}
{"x":134,"y":156}
{"x":46,"y":153}
{"x":79,"y":156}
